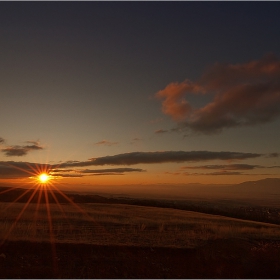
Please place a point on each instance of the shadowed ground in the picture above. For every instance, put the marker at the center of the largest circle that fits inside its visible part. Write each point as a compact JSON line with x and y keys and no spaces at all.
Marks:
{"x":216,"y":259}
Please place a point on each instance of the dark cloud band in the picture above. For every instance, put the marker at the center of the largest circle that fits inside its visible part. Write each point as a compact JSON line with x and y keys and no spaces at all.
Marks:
{"x":161,"y":157}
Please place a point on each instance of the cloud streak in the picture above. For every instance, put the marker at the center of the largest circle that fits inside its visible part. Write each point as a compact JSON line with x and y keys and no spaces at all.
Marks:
{"x":21,"y":150}
{"x":225,"y":167}
{"x":161,"y":157}
{"x":110,"y":170}
{"x":161,"y":131}
{"x":221,"y":173}
{"x":243,"y":94}
{"x":106,"y":143}
{"x":229,"y":169}
{"x":14,"y":170}
{"x":93,"y":172}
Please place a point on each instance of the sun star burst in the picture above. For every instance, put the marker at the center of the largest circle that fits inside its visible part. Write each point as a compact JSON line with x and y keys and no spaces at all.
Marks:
{"x":43,"y":178}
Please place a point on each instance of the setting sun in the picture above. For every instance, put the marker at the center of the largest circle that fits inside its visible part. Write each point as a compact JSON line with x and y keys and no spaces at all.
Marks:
{"x":43,"y":178}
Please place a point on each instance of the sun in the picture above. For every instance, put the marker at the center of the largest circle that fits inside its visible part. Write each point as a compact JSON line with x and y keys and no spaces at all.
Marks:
{"x":43,"y":178}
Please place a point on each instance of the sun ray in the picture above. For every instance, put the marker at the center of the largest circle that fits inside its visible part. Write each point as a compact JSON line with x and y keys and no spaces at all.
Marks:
{"x":37,"y":210}
{"x":46,"y":189}
{"x":81,"y":210}
{"x":59,"y":206}
{"x":9,"y":189}
{"x":52,"y":239}
{"x":17,"y":199}
{"x":18,"y":217}
{"x":22,"y":169}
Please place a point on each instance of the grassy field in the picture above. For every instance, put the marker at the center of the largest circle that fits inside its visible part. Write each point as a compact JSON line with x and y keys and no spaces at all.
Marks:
{"x":116,"y":224}
{"x":98,"y":240}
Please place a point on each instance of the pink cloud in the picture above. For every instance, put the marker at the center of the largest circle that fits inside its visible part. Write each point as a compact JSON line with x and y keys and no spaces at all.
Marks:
{"x":174,"y":103}
{"x":243,"y":94}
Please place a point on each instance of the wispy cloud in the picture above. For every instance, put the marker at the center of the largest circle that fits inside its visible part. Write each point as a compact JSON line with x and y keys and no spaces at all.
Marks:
{"x":93,"y":172}
{"x":106,"y":143}
{"x":273,"y":155}
{"x":69,"y":175}
{"x":111,"y":170}
{"x":13,"y":170}
{"x":243,"y":94}
{"x":225,"y":167}
{"x":219,"y":173}
{"x":37,"y":143}
{"x":222,"y":173}
{"x":18,"y":150}
{"x":2,"y":140}
{"x":161,"y":131}
{"x":135,"y":140}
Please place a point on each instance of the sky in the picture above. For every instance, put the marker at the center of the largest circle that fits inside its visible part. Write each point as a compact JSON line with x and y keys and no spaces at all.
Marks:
{"x":139,"y":93}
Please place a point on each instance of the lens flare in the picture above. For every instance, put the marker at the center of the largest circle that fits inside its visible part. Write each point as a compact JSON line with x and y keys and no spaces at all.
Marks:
{"x":43,"y":178}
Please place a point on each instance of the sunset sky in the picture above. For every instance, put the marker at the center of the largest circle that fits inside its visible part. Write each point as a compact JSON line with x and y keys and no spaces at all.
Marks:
{"x":139,"y":93}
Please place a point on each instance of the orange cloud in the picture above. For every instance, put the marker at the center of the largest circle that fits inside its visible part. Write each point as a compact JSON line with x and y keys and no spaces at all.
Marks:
{"x":160,"y":131}
{"x":174,"y":103}
{"x":243,"y":94}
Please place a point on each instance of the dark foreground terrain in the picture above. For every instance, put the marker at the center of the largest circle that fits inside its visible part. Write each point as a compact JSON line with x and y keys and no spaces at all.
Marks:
{"x":216,"y":259}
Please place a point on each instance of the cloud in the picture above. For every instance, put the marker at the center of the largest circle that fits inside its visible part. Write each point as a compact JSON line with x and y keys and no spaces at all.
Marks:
{"x":161,"y":157}
{"x":160,"y":131}
{"x":2,"y":141}
{"x":174,"y":103}
{"x":243,"y":94}
{"x":229,"y":169}
{"x":216,"y":173}
{"x":225,"y":167}
{"x":72,"y":175}
{"x":135,"y":140}
{"x":94,"y":172}
{"x":221,"y":173}
{"x":35,"y":143}
{"x":172,"y":173}
{"x":111,"y":170}
{"x":273,"y":155}
{"x":12,"y":169}
{"x":106,"y":143}
{"x":20,"y":150}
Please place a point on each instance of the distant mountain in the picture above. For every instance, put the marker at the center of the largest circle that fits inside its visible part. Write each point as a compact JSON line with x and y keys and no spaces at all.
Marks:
{"x":250,"y":189}
{"x":268,"y":185}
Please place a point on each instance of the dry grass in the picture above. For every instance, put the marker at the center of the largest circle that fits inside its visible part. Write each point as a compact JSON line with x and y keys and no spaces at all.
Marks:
{"x":106,"y":224}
